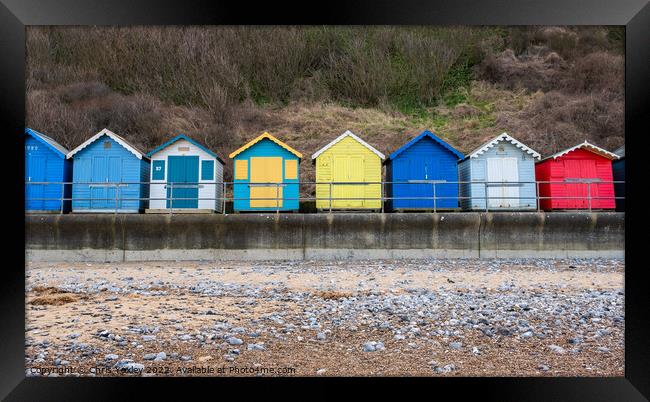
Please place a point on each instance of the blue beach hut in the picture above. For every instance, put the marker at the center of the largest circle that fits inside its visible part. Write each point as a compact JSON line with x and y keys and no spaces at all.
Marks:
{"x":266,"y":176}
{"x":109,"y":175}
{"x":501,"y":171}
{"x":422,"y":166}
{"x":618,"y":171}
{"x":45,"y":163}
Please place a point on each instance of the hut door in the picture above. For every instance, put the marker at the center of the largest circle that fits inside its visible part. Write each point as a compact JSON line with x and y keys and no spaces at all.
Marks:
{"x":266,"y":170}
{"x":98,"y":188}
{"x":113,"y":193}
{"x":340,"y":175}
{"x":35,"y":172}
{"x":423,"y":169}
{"x":355,"y":174}
{"x":502,"y":170}
{"x":183,"y":178}
{"x":581,"y":169}
{"x":347,"y":169}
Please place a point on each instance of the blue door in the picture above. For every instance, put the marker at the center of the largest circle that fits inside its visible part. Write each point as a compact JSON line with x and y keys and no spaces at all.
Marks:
{"x":105,"y":190}
{"x":114,"y":176}
{"x":398,"y":169}
{"x":34,"y":172}
{"x":182,"y":182}
{"x":421,"y":169}
{"x":99,"y":186}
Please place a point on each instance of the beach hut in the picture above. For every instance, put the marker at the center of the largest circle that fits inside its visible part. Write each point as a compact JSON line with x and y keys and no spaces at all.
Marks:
{"x":266,"y":176}
{"x":422,"y":167}
{"x":618,"y":172}
{"x":45,"y":163}
{"x":348,"y":159}
{"x":581,"y":178}
{"x":185,"y":175}
{"x":109,"y":175}
{"x":501,"y":171}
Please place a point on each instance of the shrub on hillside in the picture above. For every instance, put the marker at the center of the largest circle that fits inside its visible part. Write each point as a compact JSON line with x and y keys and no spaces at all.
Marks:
{"x":532,"y":72}
{"x":596,"y":72}
{"x":556,"y":120}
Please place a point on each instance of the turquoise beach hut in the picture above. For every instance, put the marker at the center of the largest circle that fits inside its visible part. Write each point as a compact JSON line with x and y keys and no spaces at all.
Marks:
{"x":266,"y":176}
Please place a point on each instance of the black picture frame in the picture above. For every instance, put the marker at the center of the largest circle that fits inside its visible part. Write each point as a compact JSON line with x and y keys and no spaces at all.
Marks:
{"x":16,"y":14}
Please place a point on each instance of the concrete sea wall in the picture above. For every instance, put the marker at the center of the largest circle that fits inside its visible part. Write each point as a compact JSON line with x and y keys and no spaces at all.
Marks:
{"x":108,"y":237}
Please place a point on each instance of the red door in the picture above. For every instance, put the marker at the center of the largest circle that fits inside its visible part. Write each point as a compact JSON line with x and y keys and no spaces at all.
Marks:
{"x":580,"y":193}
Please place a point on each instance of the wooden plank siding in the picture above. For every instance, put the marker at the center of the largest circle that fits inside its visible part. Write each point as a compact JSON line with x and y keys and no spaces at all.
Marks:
{"x":210,"y":189}
{"x":131,"y":170}
{"x":474,"y":170}
{"x":425,"y":159}
{"x":55,"y":169}
{"x":326,"y":164}
{"x":290,"y":191}
{"x":618,"y":172}
{"x":565,"y":167}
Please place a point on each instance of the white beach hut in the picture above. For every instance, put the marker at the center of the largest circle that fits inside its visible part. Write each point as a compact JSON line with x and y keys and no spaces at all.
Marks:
{"x":185,"y":176}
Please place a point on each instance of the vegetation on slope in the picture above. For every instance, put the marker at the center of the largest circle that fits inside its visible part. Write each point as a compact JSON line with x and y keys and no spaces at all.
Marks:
{"x":550,"y":87}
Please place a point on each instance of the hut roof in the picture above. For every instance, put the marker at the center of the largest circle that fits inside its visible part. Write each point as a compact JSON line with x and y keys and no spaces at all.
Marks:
{"x":620,"y":151}
{"x":138,"y":154}
{"x":589,"y":147}
{"x":59,"y":149}
{"x":260,"y":138}
{"x":499,"y":138}
{"x":348,"y":133}
{"x":188,"y":139}
{"x":428,"y":134}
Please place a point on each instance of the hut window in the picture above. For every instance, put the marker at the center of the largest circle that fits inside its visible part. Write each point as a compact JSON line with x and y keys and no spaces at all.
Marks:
{"x":107,"y":145}
{"x":291,"y":169}
{"x":158,"y":170}
{"x":183,"y":149}
{"x":241,"y":169}
{"x":207,"y":170}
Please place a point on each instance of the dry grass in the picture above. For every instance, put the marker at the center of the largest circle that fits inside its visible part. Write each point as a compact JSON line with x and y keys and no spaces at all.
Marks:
{"x":47,"y":290}
{"x":53,"y":300}
{"x":332,"y":294}
{"x":550,"y":87}
{"x":52,"y":296}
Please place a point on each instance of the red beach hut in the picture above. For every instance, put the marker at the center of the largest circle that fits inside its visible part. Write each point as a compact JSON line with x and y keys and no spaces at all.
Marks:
{"x":581,"y":178}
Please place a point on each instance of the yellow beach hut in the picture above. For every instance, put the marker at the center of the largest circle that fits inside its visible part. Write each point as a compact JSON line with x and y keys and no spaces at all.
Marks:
{"x":348,"y":159}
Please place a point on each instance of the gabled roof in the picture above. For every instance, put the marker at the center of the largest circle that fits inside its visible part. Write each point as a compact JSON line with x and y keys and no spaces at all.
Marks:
{"x":139,"y":154}
{"x":59,"y":149}
{"x":348,"y":133}
{"x":499,"y":138}
{"x":260,"y":138}
{"x":188,"y":139}
{"x":426,"y":133}
{"x":588,"y":147}
{"x":620,"y":151}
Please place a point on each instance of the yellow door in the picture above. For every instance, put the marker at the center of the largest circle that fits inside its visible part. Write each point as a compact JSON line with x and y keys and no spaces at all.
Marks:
{"x":348,"y":169}
{"x":355,"y":174}
{"x":266,"y":170}
{"x":339,"y":175}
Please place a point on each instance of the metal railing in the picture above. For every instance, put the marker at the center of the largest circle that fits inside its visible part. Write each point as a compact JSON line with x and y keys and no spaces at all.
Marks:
{"x":222,"y":190}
